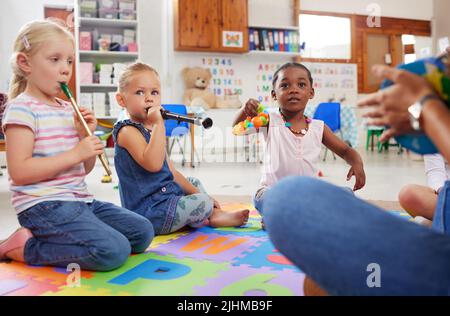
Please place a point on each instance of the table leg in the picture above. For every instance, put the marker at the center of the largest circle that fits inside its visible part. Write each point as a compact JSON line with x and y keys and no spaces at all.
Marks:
{"x":191,"y":129}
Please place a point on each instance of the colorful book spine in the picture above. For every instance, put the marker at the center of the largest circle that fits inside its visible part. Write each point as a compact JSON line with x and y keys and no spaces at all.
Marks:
{"x":271,"y":40}
{"x":287,"y":43}
{"x":276,"y":41}
{"x":256,"y":38}
{"x":296,"y":44}
{"x":261,"y":40}
{"x":266,"y":40}
{"x":251,"y":39}
{"x":281,"y":40}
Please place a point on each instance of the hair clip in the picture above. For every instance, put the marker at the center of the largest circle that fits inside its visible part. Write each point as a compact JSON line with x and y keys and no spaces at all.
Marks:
{"x":26,"y":43}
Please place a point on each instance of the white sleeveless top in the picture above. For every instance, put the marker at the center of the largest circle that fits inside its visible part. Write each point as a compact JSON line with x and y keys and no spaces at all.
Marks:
{"x":289,"y":155}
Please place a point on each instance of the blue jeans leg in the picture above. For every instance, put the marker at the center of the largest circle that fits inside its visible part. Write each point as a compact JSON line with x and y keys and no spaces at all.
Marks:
{"x":136,"y":228}
{"x":334,"y":238}
{"x":441,"y":219}
{"x":69,"y":232}
{"x":258,"y":200}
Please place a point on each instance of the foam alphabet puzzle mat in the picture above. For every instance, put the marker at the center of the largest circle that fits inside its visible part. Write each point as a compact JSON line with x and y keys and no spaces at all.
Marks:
{"x":203,"y":262}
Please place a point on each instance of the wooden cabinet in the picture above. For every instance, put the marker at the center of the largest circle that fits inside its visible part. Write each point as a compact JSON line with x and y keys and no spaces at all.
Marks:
{"x":200,"y":25}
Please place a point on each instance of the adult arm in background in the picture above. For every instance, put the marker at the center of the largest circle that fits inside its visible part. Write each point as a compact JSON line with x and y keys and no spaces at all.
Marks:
{"x":389,"y":107}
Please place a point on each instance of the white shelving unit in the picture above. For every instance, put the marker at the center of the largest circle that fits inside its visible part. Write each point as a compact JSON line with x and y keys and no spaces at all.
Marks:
{"x":103,"y":26}
{"x":95,"y":53}
{"x":286,"y":28}
{"x":274,"y":53}
{"x":107,"y":22}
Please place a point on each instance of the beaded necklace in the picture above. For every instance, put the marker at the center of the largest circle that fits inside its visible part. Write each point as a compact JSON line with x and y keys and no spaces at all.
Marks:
{"x":303,"y":131}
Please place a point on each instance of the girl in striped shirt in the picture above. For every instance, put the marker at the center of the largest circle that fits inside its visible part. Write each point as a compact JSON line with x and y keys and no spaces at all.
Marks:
{"x":49,"y":156}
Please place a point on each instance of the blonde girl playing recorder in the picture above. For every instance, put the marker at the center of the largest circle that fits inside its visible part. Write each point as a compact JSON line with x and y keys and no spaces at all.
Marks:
{"x":49,"y":156}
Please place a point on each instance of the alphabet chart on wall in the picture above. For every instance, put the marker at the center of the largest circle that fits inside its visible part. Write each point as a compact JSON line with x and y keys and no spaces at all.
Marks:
{"x":264,"y":78}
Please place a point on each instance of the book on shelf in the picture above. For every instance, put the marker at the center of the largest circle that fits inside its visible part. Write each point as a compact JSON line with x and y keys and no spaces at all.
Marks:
{"x":287,"y":44}
{"x":251,"y":39}
{"x":256,"y":38}
{"x":281,"y":40}
{"x":266,"y":40}
{"x":261,"y":40}
{"x":271,"y":40}
{"x":295,"y":39}
{"x":276,"y":41}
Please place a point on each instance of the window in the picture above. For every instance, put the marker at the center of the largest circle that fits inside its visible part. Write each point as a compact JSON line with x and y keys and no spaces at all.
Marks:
{"x":326,"y":37}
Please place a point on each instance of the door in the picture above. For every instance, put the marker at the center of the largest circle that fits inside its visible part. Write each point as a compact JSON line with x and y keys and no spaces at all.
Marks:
{"x":385,"y":49}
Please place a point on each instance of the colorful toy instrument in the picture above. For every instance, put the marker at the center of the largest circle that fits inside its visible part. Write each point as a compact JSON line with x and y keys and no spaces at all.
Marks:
{"x":262,"y":119}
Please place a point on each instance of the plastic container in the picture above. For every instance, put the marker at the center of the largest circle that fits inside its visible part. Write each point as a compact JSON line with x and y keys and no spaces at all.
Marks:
{"x":108,"y":13}
{"x":88,"y":8}
{"x":108,"y":4}
{"x":129,"y":15}
{"x":85,"y":40}
{"x":127,"y":5}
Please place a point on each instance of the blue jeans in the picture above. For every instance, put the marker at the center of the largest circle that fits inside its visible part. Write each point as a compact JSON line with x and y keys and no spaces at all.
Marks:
{"x":334,"y":238}
{"x":258,"y":199}
{"x":98,"y":236}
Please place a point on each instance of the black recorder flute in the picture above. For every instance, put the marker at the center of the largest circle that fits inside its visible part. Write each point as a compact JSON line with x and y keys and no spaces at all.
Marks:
{"x":167,"y":115}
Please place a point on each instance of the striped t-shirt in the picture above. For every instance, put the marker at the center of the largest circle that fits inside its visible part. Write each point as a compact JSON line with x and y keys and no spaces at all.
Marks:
{"x":54,"y":134}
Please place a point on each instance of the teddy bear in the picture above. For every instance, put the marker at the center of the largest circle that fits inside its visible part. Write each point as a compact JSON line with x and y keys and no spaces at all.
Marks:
{"x":197,"y":94}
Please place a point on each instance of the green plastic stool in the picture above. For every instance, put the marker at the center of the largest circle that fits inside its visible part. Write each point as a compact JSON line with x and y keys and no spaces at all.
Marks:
{"x":371,"y":133}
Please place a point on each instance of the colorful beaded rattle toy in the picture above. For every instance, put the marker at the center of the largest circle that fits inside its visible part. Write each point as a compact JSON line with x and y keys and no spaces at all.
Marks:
{"x":262,"y":119}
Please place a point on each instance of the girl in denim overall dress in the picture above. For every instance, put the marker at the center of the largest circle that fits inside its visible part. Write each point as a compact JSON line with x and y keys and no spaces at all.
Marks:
{"x":149,"y":184}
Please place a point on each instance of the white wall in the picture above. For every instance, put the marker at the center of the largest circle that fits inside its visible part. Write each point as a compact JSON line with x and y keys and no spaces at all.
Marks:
{"x":14,"y":14}
{"x":406,"y":9}
{"x":441,"y":21}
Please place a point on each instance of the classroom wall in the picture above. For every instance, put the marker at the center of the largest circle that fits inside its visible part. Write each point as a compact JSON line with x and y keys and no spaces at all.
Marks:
{"x":406,"y":9}
{"x":16,"y":13}
{"x":441,"y":21}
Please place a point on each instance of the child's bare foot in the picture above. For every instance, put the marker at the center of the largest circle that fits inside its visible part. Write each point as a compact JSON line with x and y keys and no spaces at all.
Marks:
{"x":13,"y":247}
{"x":16,"y":254}
{"x":221,"y":218}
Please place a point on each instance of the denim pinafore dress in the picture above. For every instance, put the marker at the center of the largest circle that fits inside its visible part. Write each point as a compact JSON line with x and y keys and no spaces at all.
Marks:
{"x":153,"y":195}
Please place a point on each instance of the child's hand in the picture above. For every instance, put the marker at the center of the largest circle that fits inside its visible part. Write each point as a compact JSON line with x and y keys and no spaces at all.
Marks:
{"x":154,"y":115}
{"x":251,"y":108}
{"x":88,"y":147}
{"x":90,"y":119}
{"x":357,"y":170}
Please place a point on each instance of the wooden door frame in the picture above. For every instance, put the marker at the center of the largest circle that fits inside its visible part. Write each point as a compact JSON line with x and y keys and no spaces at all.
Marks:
{"x":392,"y":38}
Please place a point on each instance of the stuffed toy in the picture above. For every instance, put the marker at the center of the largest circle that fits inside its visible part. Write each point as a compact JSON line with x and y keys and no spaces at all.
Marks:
{"x":197,"y":94}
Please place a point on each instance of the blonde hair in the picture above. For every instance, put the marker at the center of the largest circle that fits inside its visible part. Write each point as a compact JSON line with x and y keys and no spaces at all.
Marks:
{"x":32,"y":36}
{"x":130,"y":71}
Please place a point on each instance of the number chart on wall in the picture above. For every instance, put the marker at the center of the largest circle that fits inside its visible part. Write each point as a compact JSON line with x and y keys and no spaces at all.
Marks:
{"x":225,"y":80}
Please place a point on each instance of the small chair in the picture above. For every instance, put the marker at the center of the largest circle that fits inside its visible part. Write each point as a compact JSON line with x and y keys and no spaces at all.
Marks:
{"x":372,"y":132}
{"x":330,"y":113}
{"x":177,"y":130}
